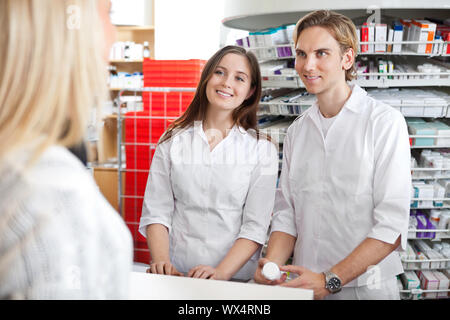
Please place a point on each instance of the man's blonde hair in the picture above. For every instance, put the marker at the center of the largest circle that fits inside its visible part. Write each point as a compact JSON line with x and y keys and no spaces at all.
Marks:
{"x":341,"y":28}
{"x":52,"y":72}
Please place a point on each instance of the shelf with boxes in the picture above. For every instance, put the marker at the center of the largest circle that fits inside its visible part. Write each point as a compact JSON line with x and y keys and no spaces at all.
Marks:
{"x":287,"y":50}
{"x":291,"y":102}
{"x":427,"y":268}
{"x":133,"y":45}
{"x":433,"y":224}
{"x":395,"y":36}
{"x":276,"y":54}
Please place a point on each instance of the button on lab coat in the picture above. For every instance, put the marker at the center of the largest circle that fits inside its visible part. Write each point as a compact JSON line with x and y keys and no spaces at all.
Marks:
{"x":354,"y":184}
{"x":209,"y":199}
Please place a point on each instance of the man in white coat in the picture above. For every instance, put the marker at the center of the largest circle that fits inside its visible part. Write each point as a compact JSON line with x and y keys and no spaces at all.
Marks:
{"x":343,"y":204}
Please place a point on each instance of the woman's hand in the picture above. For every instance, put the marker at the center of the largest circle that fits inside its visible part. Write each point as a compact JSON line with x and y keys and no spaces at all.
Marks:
{"x":259,"y":278}
{"x":307,"y":280}
{"x":164,"y":267}
{"x":206,"y":272}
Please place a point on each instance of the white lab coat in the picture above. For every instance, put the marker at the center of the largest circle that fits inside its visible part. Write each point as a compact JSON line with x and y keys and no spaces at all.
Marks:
{"x":356,"y":183}
{"x":209,"y":199}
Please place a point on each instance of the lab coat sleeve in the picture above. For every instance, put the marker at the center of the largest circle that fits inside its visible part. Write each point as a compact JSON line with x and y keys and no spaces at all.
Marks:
{"x":261,"y":194}
{"x":392,"y":179}
{"x":284,"y":215}
{"x":158,"y":204}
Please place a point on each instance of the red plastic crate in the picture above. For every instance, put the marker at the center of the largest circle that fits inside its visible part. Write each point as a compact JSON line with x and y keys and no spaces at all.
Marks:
{"x":135,"y":183}
{"x":140,"y":127}
{"x":170,"y":104}
{"x":134,"y":229}
{"x":133,"y":209}
{"x":142,"y":256}
{"x":138,"y":157}
{"x":172,"y":73}
{"x":141,"y":252}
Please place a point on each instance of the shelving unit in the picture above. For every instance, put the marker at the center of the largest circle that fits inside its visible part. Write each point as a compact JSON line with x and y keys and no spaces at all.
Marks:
{"x":253,"y":17}
{"x":137,"y":34}
{"x":106,"y":168}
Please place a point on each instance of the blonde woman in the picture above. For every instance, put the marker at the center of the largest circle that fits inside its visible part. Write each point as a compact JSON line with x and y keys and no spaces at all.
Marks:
{"x":59,"y":238}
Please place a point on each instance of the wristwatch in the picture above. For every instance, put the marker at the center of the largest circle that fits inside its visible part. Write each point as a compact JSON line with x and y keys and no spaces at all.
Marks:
{"x":332,"y":282}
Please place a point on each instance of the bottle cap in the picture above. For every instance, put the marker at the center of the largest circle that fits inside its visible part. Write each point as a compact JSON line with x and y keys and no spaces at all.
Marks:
{"x":271,"y":271}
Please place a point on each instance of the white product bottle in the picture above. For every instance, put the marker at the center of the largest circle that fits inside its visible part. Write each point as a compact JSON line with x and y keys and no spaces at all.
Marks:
{"x":146,"y":50}
{"x":271,"y":271}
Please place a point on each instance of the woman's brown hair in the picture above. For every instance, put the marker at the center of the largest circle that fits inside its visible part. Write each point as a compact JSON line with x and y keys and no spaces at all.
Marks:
{"x":243,"y":116}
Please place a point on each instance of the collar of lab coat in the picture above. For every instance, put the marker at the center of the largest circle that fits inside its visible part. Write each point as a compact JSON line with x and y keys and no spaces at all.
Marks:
{"x":353,"y":105}
{"x":198,"y":130}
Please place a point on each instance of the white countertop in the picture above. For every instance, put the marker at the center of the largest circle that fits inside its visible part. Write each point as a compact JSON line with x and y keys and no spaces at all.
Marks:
{"x":145,"y":286}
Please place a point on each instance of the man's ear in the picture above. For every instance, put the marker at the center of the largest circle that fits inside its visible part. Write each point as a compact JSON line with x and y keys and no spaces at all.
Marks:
{"x":250,"y":92}
{"x":348,"y":59}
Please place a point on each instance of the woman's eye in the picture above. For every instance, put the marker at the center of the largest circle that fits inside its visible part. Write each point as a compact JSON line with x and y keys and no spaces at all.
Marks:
{"x":321,"y":53}
{"x":219,"y":72}
{"x":240,"y":79}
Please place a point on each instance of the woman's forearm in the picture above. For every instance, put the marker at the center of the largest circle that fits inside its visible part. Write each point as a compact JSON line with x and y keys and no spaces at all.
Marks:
{"x":158,"y":242}
{"x":241,"y":251}
{"x":280,"y":247}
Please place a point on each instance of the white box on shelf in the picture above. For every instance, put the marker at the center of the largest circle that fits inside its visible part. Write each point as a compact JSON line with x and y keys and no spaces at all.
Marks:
{"x":429,"y":282}
{"x":406,"y":23}
{"x":410,"y":280}
{"x":423,"y":32}
{"x":390,"y":38}
{"x":380,"y":36}
{"x":371,"y":34}
{"x":398,"y":37}
{"x":443,"y":284}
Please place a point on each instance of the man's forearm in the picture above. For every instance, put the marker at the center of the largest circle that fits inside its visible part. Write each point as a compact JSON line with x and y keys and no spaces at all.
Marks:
{"x":369,"y":252}
{"x":280,"y":247}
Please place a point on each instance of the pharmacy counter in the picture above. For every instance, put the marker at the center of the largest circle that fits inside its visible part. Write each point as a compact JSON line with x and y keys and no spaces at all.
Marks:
{"x":145,"y":286}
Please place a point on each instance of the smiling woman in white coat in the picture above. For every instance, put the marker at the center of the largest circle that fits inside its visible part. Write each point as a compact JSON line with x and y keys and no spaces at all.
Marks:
{"x":211,"y":186}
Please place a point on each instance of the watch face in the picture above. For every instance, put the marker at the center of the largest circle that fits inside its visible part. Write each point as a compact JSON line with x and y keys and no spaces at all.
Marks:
{"x":334,"y":283}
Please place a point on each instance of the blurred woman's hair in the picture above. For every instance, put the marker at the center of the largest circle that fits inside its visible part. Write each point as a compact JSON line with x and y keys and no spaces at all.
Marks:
{"x":52,"y":72}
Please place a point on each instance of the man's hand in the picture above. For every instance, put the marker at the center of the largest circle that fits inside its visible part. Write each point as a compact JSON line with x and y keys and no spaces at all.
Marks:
{"x":307,"y":280}
{"x":259,"y":278}
{"x":163,"y":267}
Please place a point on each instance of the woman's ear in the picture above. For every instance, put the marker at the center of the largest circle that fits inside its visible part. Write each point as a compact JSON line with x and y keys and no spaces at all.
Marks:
{"x":250,"y":92}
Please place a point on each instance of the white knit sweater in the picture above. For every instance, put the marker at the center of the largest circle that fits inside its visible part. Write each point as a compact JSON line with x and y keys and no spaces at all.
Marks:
{"x":59,"y":237}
